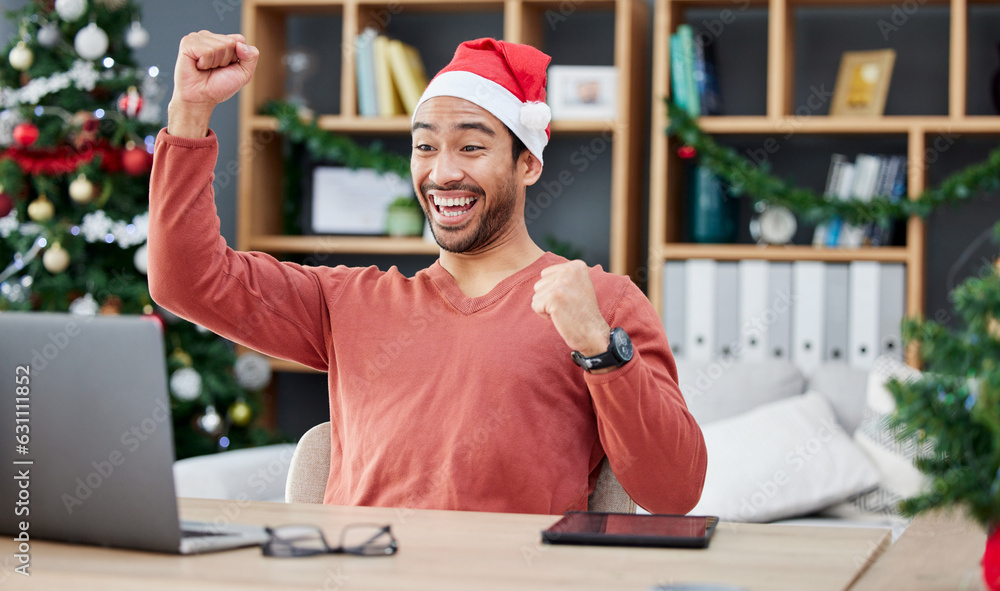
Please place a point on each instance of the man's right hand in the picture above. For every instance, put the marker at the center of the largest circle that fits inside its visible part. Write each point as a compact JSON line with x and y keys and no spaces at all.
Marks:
{"x":210,"y":69}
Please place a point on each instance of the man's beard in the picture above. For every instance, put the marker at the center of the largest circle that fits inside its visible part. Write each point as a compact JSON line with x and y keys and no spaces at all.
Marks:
{"x":496,"y":217}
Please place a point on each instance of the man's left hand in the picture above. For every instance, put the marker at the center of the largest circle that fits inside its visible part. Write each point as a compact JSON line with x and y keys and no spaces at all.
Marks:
{"x":565,"y":294}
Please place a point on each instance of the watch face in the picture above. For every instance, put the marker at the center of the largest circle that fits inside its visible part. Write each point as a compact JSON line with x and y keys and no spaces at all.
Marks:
{"x":623,"y":344}
{"x":777,"y":225}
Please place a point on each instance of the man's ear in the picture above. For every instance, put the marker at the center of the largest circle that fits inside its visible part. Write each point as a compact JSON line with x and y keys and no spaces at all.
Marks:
{"x":531,"y":168}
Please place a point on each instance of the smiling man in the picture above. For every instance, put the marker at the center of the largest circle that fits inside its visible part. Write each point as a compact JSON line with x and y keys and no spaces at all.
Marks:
{"x":498,"y":378}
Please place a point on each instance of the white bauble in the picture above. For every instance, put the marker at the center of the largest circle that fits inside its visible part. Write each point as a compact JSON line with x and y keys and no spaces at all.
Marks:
{"x":141,"y":259}
{"x":210,"y":422}
{"x":185,"y":383}
{"x":56,"y":259}
{"x":81,"y":190}
{"x":252,"y":371}
{"x":91,"y":42}
{"x":71,"y":10}
{"x":136,"y":37}
{"x":49,"y":36}
{"x":21,"y":57}
{"x":84,"y":305}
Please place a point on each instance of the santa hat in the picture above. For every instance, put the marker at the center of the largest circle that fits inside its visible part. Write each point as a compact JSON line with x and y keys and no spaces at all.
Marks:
{"x":506,"y":79}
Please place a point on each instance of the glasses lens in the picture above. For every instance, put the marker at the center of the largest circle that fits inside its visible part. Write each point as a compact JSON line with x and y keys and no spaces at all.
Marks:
{"x":295,"y":540}
{"x":369,"y":540}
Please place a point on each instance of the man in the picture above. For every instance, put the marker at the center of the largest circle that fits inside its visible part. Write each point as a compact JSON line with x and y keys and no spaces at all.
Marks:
{"x":490,"y":381}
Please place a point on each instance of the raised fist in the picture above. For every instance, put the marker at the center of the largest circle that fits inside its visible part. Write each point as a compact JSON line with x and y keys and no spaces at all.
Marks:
{"x":211,"y":68}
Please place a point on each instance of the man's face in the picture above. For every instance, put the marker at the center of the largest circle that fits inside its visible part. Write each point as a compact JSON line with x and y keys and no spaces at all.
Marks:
{"x":466,"y":180}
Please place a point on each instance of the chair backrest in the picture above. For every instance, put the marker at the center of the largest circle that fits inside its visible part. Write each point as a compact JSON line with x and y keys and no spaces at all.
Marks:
{"x":310,"y":470}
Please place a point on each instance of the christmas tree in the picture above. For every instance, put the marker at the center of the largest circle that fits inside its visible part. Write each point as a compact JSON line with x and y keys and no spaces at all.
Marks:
{"x":77,"y":127}
{"x":955,"y":404}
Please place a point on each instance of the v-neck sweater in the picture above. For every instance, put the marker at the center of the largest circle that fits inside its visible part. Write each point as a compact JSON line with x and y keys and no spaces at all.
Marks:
{"x":437,"y":400}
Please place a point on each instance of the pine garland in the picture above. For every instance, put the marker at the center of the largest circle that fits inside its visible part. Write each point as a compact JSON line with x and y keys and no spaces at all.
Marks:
{"x":747,"y":179}
{"x":326,"y":145}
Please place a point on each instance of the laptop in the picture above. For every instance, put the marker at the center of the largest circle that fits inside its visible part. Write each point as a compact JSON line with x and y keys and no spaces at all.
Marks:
{"x":88,"y":440}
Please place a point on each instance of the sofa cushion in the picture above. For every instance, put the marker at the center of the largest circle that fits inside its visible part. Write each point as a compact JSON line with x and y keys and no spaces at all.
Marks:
{"x":725,"y":388}
{"x":255,"y":474}
{"x":899,"y":478}
{"x":780,"y":460}
{"x":845,"y":387}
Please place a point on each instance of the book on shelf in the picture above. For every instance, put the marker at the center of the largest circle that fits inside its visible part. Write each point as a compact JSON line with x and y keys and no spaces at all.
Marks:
{"x":694,"y":83}
{"x":364,"y":61}
{"x":869,"y":176}
{"x":407,"y":73}
{"x":389,"y":103}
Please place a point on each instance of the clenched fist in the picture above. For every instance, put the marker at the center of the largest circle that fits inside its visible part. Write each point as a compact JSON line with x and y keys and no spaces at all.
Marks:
{"x":210,"y":69}
{"x":565,"y":294}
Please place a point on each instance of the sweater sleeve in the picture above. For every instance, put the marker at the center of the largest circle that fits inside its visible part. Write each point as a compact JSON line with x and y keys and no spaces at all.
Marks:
{"x":248,"y":297}
{"x":653,"y":444}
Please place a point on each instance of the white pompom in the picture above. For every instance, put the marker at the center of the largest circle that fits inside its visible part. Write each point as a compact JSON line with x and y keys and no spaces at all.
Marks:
{"x":535,"y":115}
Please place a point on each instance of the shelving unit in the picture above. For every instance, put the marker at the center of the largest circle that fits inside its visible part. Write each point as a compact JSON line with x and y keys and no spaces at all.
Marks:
{"x":666,"y":191}
{"x":265,"y":24}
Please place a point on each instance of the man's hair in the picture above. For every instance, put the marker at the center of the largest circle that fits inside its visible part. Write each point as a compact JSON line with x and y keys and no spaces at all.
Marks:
{"x":517,"y":146}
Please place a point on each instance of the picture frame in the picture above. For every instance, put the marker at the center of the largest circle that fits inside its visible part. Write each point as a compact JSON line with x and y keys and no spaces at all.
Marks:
{"x":582,"y":92}
{"x":341,"y":200}
{"x":863,"y":83}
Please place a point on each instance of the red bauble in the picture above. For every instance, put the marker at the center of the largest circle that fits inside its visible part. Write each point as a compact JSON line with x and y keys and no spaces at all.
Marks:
{"x":136,"y":161}
{"x":25,"y":134}
{"x":130,"y":103}
{"x":6,"y":204}
{"x":991,"y":561}
{"x":687,"y":152}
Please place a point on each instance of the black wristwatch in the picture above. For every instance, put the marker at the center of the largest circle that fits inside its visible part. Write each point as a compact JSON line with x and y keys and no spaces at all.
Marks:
{"x":619,"y":353}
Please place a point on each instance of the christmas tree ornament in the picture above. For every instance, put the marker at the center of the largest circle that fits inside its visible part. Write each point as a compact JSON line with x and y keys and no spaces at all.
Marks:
{"x":135,"y":160}
{"x":210,"y":423}
{"x":140,"y":259}
{"x":240,"y":413}
{"x":185,"y":384}
{"x":91,"y":42}
{"x":25,"y":134}
{"x":21,"y":57}
{"x":48,"y":35}
{"x":136,"y":37}
{"x":41,"y":209}
{"x":71,"y":10}
{"x":6,"y":204}
{"x":84,"y":305}
{"x":112,"y":306}
{"x":252,"y":371}
{"x":81,"y":190}
{"x":181,"y":356}
{"x":130,"y":103}
{"x":56,"y":259}
{"x":687,"y":152}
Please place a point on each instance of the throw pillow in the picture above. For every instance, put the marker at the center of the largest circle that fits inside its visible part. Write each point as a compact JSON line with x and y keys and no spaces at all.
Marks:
{"x":893,"y":458}
{"x":724,"y":388}
{"x":780,"y":460}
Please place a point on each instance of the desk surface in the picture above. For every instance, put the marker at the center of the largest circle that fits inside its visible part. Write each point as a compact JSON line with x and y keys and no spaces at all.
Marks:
{"x":445,"y":550}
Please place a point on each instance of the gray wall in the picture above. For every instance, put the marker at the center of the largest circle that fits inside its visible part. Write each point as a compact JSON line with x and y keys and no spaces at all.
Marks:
{"x":956,"y":247}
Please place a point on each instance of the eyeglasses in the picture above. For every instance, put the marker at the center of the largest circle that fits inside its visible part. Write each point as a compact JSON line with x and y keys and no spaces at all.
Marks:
{"x":361,"y":539}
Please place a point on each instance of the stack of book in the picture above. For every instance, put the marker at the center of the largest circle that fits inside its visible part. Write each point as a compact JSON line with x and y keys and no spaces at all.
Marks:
{"x":390,"y":75}
{"x":694,"y":84}
{"x":867,"y":177}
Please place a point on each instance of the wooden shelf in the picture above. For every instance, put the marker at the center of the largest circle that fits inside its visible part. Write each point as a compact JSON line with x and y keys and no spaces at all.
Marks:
{"x":736,"y":252}
{"x":401,"y":125}
{"x":342,"y":245}
{"x":849,"y":125}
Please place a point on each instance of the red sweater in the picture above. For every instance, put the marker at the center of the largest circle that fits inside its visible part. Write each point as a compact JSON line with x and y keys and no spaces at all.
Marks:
{"x":437,"y":400}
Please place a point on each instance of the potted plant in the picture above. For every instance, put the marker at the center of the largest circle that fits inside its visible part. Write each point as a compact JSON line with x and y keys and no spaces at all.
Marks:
{"x":405,"y":217}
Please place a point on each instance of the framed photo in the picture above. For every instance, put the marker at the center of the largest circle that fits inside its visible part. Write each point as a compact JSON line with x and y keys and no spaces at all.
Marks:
{"x":338,"y":200}
{"x":582,"y":92}
{"x":863,"y":83}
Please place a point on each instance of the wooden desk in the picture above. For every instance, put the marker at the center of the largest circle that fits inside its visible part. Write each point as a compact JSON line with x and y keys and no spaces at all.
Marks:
{"x":937,"y":552}
{"x":458,"y":551}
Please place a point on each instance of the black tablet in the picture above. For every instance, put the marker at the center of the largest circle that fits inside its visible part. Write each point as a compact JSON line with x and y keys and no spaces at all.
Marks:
{"x":629,"y":529}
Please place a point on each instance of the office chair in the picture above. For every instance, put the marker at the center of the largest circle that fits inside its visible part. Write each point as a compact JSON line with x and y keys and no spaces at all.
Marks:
{"x":310,"y":469}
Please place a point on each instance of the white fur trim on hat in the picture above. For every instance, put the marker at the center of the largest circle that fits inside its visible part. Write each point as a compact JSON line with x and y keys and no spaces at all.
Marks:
{"x":521,"y":118}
